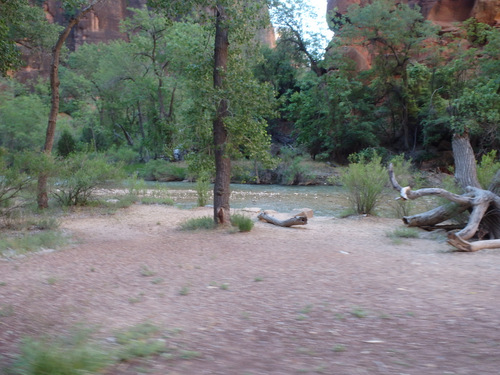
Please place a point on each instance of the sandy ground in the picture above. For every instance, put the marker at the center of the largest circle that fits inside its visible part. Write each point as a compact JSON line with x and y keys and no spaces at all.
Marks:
{"x":337,"y":296}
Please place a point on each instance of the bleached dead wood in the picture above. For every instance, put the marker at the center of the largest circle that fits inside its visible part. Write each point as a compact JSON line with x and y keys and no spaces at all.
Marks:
{"x":296,"y":220}
{"x":484,"y":207}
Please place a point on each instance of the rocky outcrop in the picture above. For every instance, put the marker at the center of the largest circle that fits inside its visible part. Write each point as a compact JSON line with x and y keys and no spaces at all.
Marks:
{"x":444,"y":13}
{"x":101,"y":25}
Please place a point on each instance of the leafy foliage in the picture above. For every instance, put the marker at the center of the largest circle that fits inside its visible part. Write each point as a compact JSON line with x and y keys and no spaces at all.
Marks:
{"x":73,"y":356}
{"x":244,"y":224}
{"x":80,"y":175}
{"x":487,"y":169}
{"x":365,"y":182}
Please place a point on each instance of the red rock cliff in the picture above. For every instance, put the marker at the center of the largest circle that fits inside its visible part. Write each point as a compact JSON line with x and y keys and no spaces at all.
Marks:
{"x":442,"y":12}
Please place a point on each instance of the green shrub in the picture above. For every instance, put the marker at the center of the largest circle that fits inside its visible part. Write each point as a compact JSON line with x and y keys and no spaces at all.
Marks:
{"x":203,"y":189}
{"x":205,"y":222}
{"x":365,"y":182}
{"x":487,"y":169}
{"x":404,"y":232}
{"x":80,"y":175}
{"x":136,"y":186}
{"x":31,"y":242}
{"x":290,"y":170}
{"x":66,"y":144}
{"x":161,"y":170}
{"x":139,"y":341}
{"x":73,"y":356}
{"x":13,"y":182}
{"x":244,"y":224}
{"x":123,"y":154}
{"x":157,"y":200}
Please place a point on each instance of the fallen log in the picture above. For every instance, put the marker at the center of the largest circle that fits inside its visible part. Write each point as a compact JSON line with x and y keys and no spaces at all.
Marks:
{"x":483,"y":205}
{"x":296,"y":220}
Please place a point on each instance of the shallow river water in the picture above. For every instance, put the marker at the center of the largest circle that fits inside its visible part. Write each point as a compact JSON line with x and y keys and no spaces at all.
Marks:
{"x":323,"y":200}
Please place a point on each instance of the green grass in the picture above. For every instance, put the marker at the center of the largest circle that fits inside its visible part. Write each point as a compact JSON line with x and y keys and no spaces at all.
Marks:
{"x":74,"y":355}
{"x":404,"y":232}
{"x":339,"y":348}
{"x":157,"y":200}
{"x":359,"y":313}
{"x":205,"y":222}
{"x":28,"y":242}
{"x":146,"y":272}
{"x":143,"y":340}
{"x":79,"y":354}
{"x":6,"y":311}
{"x":244,"y":224}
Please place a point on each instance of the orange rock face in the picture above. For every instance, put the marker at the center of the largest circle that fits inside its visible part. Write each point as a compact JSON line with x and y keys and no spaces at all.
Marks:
{"x":442,"y":12}
{"x":445,"y":13}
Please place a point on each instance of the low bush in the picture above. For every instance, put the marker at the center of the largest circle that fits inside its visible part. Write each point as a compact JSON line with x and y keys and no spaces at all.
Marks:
{"x":157,"y":200}
{"x":161,"y":170}
{"x":364,"y":181}
{"x":22,"y":243}
{"x":13,"y":182}
{"x":203,"y":189}
{"x":69,"y":356}
{"x":205,"y":222}
{"x":404,"y":232}
{"x":244,"y":224}
{"x":80,"y":175}
{"x":487,"y":169}
{"x":290,"y":170}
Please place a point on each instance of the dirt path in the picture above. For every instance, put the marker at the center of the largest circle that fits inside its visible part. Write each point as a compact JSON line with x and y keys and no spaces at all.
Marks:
{"x":336,"y":296}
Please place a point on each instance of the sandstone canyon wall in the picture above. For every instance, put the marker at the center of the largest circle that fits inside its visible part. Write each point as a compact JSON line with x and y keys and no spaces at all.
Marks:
{"x":444,"y":13}
{"x":103,"y":24}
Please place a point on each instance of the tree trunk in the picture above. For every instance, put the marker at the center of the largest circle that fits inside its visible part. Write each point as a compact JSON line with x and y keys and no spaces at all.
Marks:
{"x":222,"y":160}
{"x":465,"y":161}
{"x":42,"y":196}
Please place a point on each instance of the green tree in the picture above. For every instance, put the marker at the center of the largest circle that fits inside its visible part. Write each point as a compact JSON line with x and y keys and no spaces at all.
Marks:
{"x":235,"y":21}
{"x":395,"y":35}
{"x":23,"y":118}
{"x":24,"y":30}
{"x":288,"y":18}
{"x":81,"y":8}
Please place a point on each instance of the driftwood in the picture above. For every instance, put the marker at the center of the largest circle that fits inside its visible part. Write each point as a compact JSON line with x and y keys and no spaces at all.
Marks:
{"x":296,"y":220}
{"x":483,"y":205}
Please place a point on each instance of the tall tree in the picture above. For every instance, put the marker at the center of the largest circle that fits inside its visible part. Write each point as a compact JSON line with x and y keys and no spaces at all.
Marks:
{"x":81,"y":8}
{"x":288,"y":17}
{"x":234,"y":22}
{"x":222,"y":159}
{"x":395,"y":35}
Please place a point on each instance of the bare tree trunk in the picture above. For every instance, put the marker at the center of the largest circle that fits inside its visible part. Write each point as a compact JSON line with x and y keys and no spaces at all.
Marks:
{"x":465,"y":161}
{"x":42,"y":196}
{"x":222,"y":160}
{"x":484,"y":205}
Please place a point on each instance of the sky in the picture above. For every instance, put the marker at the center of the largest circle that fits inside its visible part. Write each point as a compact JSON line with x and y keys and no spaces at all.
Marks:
{"x":319,"y":23}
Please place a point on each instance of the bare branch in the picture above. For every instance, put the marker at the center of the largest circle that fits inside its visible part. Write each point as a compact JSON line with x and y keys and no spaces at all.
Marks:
{"x":462,"y":245}
{"x":407,"y":193}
